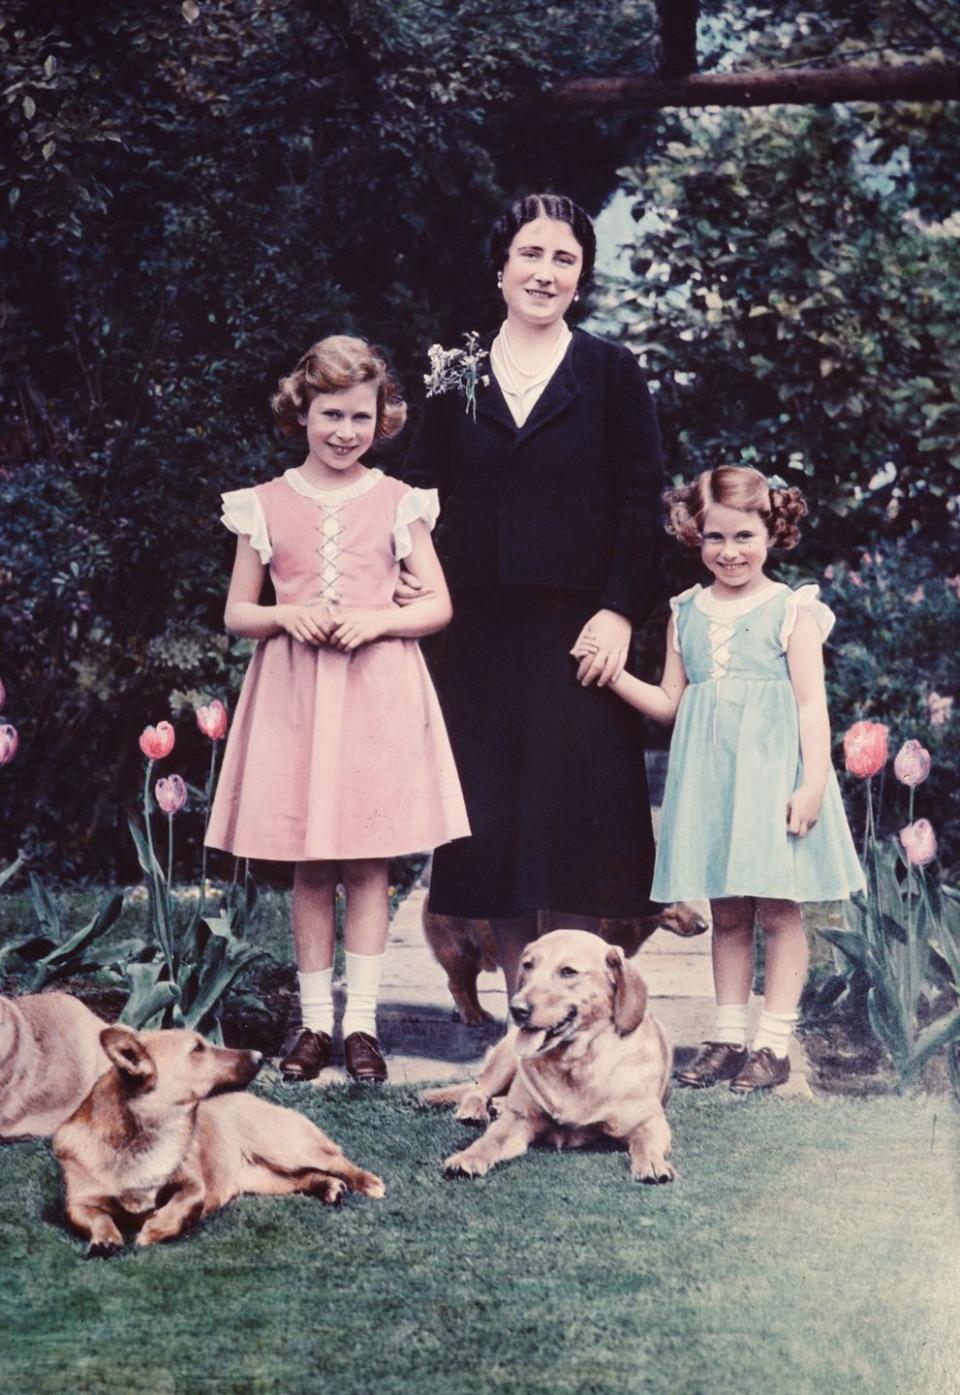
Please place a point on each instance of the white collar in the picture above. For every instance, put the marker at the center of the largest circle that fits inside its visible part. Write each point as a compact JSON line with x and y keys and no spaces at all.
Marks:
{"x":732,"y":609}
{"x":333,"y":498}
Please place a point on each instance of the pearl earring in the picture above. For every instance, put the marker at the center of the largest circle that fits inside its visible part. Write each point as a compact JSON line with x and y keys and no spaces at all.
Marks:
{"x":499,"y":280}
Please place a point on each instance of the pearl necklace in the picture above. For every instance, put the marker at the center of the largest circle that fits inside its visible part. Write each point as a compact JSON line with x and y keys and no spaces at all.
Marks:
{"x":514,"y":366}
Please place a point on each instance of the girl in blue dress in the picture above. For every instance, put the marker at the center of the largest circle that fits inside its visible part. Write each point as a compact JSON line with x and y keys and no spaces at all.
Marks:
{"x":752,"y":814}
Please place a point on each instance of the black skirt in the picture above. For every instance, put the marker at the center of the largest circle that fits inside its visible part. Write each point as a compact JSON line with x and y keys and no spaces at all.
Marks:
{"x":553,"y":773}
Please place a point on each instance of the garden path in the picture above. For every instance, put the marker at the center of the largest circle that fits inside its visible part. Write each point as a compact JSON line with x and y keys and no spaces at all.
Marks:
{"x":425,"y":1042}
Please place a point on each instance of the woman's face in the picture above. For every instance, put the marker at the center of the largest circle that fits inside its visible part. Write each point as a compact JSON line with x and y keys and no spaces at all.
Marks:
{"x":541,"y":272}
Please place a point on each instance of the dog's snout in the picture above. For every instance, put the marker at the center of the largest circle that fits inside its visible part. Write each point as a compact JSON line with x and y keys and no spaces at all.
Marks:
{"x":520,"y":1010}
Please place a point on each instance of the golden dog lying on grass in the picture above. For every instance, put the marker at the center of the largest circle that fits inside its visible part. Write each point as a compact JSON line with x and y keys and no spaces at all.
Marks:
{"x":148,"y":1150}
{"x":584,"y":1062}
{"x":50,"y":1055}
{"x":465,"y":947}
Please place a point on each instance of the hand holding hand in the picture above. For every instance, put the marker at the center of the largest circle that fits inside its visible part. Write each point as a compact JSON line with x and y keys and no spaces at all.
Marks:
{"x":358,"y":626}
{"x":602,"y":647}
{"x":803,"y":810}
{"x":409,"y":589}
{"x":310,"y":624}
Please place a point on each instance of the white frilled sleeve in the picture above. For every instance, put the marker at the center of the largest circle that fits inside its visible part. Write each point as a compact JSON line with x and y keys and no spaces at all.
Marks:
{"x":243,"y":515}
{"x":415,"y":504}
{"x":675,"y":604}
{"x":806,"y":598}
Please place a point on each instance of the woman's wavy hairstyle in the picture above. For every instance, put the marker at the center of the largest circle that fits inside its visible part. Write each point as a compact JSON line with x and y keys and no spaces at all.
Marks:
{"x":333,"y":365}
{"x":735,"y":487}
{"x":525,"y":210}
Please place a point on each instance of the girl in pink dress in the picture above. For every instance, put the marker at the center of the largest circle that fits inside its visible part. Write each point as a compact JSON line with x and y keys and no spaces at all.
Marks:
{"x":338,"y":757}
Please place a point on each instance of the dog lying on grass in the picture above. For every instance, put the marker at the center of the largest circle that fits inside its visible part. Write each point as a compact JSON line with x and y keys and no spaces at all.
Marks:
{"x":149,"y":1151}
{"x":50,"y":1056}
{"x":583,"y":1062}
{"x":464,"y":947}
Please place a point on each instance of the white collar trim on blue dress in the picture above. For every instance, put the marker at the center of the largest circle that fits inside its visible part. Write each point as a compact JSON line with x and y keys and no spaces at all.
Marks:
{"x":332,"y":497}
{"x":710,"y":604}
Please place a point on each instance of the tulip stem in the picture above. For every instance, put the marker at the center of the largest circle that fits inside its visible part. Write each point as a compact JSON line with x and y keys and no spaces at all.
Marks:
{"x":170,"y":864}
{"x":161,"y":902}
{"x":206,"y":825}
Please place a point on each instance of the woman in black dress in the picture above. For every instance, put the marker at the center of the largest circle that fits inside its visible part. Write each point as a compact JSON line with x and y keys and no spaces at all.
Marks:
{"x":550,"y":493}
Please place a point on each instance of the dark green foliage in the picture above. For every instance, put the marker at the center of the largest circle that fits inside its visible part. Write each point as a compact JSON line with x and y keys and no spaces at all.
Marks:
{"x":783,"y":1258}
{"x":54,"y":954}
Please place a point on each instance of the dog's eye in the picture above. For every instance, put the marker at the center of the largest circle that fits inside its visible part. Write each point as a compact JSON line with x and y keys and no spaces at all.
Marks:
{"x":568,"y":972}
{"x":198,"y":1047}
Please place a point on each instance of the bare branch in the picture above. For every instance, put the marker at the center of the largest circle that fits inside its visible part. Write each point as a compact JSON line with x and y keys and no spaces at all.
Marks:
{"x":909,"y":82}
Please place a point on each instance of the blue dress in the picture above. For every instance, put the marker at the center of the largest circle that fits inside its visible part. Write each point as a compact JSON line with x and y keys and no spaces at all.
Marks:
{"x":735,"y":760}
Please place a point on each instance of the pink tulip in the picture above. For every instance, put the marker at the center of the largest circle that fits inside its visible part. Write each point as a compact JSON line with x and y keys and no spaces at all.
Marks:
{"x":919,"y":842}
{"x":865,"y":748}
{"x":171,"y":794}
{"x":213,"y":720}
{"x":9,"y":741}
{"x":157,"y":742}
{"x":912,"y":763}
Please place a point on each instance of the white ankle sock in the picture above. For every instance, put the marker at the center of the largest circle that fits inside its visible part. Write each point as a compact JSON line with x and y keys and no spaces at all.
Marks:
{"x":775,"y":1030}
{"x":363,"y":989}
{"x":731,"y":1024}
{"x":316,"y":1000}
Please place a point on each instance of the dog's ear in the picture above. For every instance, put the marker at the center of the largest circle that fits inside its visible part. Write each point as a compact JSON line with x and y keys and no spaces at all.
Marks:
{"x":629,"y":993}
{"x":129,"y":1055}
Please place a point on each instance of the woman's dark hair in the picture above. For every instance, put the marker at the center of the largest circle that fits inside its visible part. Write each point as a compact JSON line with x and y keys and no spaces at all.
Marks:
{"x":525,"y":210}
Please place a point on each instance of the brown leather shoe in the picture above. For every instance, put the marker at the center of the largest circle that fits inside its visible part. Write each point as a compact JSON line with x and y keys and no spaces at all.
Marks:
{"x":305,"y":1054}
{"x":763,"y":1071}
{"x":364,"y":1059}
{"x":715,"y":1061}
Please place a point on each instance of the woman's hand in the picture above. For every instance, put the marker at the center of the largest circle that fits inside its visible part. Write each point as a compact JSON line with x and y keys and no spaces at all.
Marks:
{"x":602,"y":647}
{"x":803,"y":810}
{"x":310,"y":624}
{"x":358,"y":626}
{"x":409,"y":589}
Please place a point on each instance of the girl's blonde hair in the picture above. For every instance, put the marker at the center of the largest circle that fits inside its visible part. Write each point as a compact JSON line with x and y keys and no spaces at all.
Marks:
{"x":333,"y":365}
{"x":735,"y":487}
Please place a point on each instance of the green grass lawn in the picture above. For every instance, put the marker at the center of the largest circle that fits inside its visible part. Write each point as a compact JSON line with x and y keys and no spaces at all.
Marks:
{"x":807,"y":1249}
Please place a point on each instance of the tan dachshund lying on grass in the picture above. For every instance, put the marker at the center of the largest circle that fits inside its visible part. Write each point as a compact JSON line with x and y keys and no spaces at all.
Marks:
{"x":465,"y":947}
{"x":50,"y":1055}
{"x":149,"y":1151}
{"x":584,"y":1062}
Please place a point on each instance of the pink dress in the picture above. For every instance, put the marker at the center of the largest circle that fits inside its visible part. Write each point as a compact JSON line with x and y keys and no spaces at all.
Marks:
{"x":333,"y":755}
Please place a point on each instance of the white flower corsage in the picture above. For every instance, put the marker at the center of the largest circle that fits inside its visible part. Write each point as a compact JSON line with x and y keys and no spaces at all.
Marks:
{"x":457,"y":369}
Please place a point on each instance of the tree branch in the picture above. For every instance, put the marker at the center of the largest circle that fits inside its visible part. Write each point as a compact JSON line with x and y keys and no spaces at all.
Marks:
{"x":909,"y":82}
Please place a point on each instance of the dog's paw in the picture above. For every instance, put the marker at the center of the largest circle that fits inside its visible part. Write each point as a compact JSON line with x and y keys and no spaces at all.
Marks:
{"x":474,"y":1109}
{"x":369,"y":1184}
{"x":332,"y":1190}
{"x":653,"y":1169}
{"x":104,"y":1249}
{"x":466,"y":1164}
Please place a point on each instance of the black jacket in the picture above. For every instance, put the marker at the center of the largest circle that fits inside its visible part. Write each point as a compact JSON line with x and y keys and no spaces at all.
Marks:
{"x":570,"y":500}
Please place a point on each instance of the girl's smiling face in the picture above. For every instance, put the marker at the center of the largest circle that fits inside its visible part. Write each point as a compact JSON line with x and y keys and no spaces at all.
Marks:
{"x":340,"y":429}
{"x":542,"y":272}
{"x":734,"y":545}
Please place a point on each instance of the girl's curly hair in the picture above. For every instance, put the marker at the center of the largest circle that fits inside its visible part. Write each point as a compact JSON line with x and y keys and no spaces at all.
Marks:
{"x":333,"y":365}
{"x":735,"y":487}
